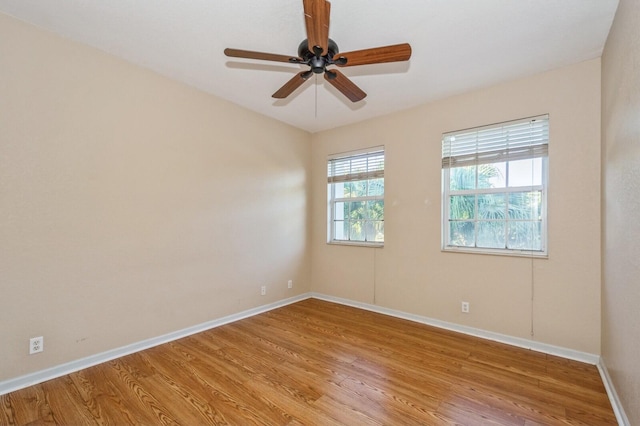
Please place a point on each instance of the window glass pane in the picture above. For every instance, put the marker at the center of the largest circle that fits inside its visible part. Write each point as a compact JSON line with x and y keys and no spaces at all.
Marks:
{"x":525,"y":172}
{"x":341,"y":229}
{"x":462,"y":207}
{"x":376,"y":187}
{"x":357,"y":230}
{"x":492,"y":175}
{"x":525,"y":205}
{"x":525,"y":235}
{"x":491,"y":234}
{"x":461,"y":178}
{"x":341,"y":211}
{"x":376,"y":209}
{"x":462,"y":234}
{"x":359,"y":188}
{"x":492,"y":206}
{"x":346,"y":193}
{"x":378,"y":231}
{"x":373,"y":230}
{"x":357,"y":210}
{"x":340,"y":190}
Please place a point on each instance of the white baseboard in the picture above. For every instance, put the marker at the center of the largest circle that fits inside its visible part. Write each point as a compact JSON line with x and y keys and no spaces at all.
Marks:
{"x":80,"y":364}
{"x":616,"y":404}
{"x":496,"y":337}
{"x":73,"y":366}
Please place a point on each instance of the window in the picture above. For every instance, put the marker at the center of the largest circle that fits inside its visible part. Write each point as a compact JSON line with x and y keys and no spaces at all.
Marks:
{"x":495,"y":188}
{"x":356,"y":197}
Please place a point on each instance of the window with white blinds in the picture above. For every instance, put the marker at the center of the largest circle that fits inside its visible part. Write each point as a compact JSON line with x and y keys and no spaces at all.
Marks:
{"x":356,"y":197}
{"x":514,"y":140}
{"x":368,"y":165}
{"x":495,"y":188}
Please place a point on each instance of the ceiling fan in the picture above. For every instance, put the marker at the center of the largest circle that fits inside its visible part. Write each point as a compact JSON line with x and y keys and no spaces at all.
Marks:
{"x":318,"y":51}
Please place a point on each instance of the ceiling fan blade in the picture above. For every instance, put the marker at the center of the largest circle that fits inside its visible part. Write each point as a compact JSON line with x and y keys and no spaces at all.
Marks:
{"x":292,"y":85}
{"x":376,"y":55}
{"x":237,"y":53}
{"x":316,"y":17}
{"x":344,"y":85}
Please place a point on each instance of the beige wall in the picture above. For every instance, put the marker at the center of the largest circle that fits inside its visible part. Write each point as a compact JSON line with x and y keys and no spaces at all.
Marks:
{"x":411,"y":274}
{"x":132,"y":206}
{"x":621,"y":183}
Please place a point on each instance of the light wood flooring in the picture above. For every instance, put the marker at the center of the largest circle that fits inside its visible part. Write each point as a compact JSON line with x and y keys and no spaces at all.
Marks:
{"x":320,"y":363}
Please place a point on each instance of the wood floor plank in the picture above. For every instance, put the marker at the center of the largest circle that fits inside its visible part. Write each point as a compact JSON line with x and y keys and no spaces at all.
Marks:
{"x":343,"y":413}
{"x":62,"y":395}
{"x":122,"y":405}
{"x":590,"y":417}
{"x":521,"y":407}
{"x":462,"y":413}
{"x":297,"y":411}
{"x":425,"y":383}
{"x":241,"y":338}
{"x":200,"y":395}
{"x":322,"y":366}
{"x":231,"y":397}
{"x":96,"y":402}
{"x":30,"y":405}
{"x":315,"y":362}
{"x":7,"y":416}
{"x":572,"y":391}
{"x":385,"y":403}
{"x":178,"y":398}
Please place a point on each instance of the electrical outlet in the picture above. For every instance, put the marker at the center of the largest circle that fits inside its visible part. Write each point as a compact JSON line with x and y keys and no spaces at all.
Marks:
{"x":263,"y":290}
{"x":290,"y":284}
{"x":465,"y":307}
{"x":36,"y":344}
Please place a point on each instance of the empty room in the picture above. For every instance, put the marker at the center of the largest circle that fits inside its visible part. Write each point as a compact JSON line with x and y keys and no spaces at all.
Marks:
{"x":312,"y":212}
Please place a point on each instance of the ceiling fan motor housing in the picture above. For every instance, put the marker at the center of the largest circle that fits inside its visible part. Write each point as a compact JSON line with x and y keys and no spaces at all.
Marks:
{"x":317,"y":63}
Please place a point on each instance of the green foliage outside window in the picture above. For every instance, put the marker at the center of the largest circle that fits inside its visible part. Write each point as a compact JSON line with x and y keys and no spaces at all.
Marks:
{"x":503,"y":220}
{"x":362,"y":220}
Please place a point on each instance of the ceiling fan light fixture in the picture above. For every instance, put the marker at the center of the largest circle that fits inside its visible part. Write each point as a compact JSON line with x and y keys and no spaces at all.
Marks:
{"x":318,"y":64}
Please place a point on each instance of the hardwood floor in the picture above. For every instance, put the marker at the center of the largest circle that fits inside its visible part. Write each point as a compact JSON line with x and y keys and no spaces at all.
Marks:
{"x":319,"y":363}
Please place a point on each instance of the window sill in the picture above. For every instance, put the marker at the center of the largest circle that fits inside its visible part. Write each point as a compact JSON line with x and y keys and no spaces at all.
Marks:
{"x":497,"y":252}
{"x":355,"y":244}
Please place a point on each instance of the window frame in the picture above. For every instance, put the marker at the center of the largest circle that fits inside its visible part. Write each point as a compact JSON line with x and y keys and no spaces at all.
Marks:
{"x":543,"y":187}
{"x":332,"y":200}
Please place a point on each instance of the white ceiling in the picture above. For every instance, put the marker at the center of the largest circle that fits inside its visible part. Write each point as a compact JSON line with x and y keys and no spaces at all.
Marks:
{"x":458,"y":45}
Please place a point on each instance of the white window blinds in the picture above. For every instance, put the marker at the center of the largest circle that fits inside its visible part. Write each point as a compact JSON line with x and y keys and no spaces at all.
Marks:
{"x":512,"y":140}
{"x":357,"y":166}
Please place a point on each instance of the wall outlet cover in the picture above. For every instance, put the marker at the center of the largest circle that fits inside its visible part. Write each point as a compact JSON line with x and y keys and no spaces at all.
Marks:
{"x":36,"y":344}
